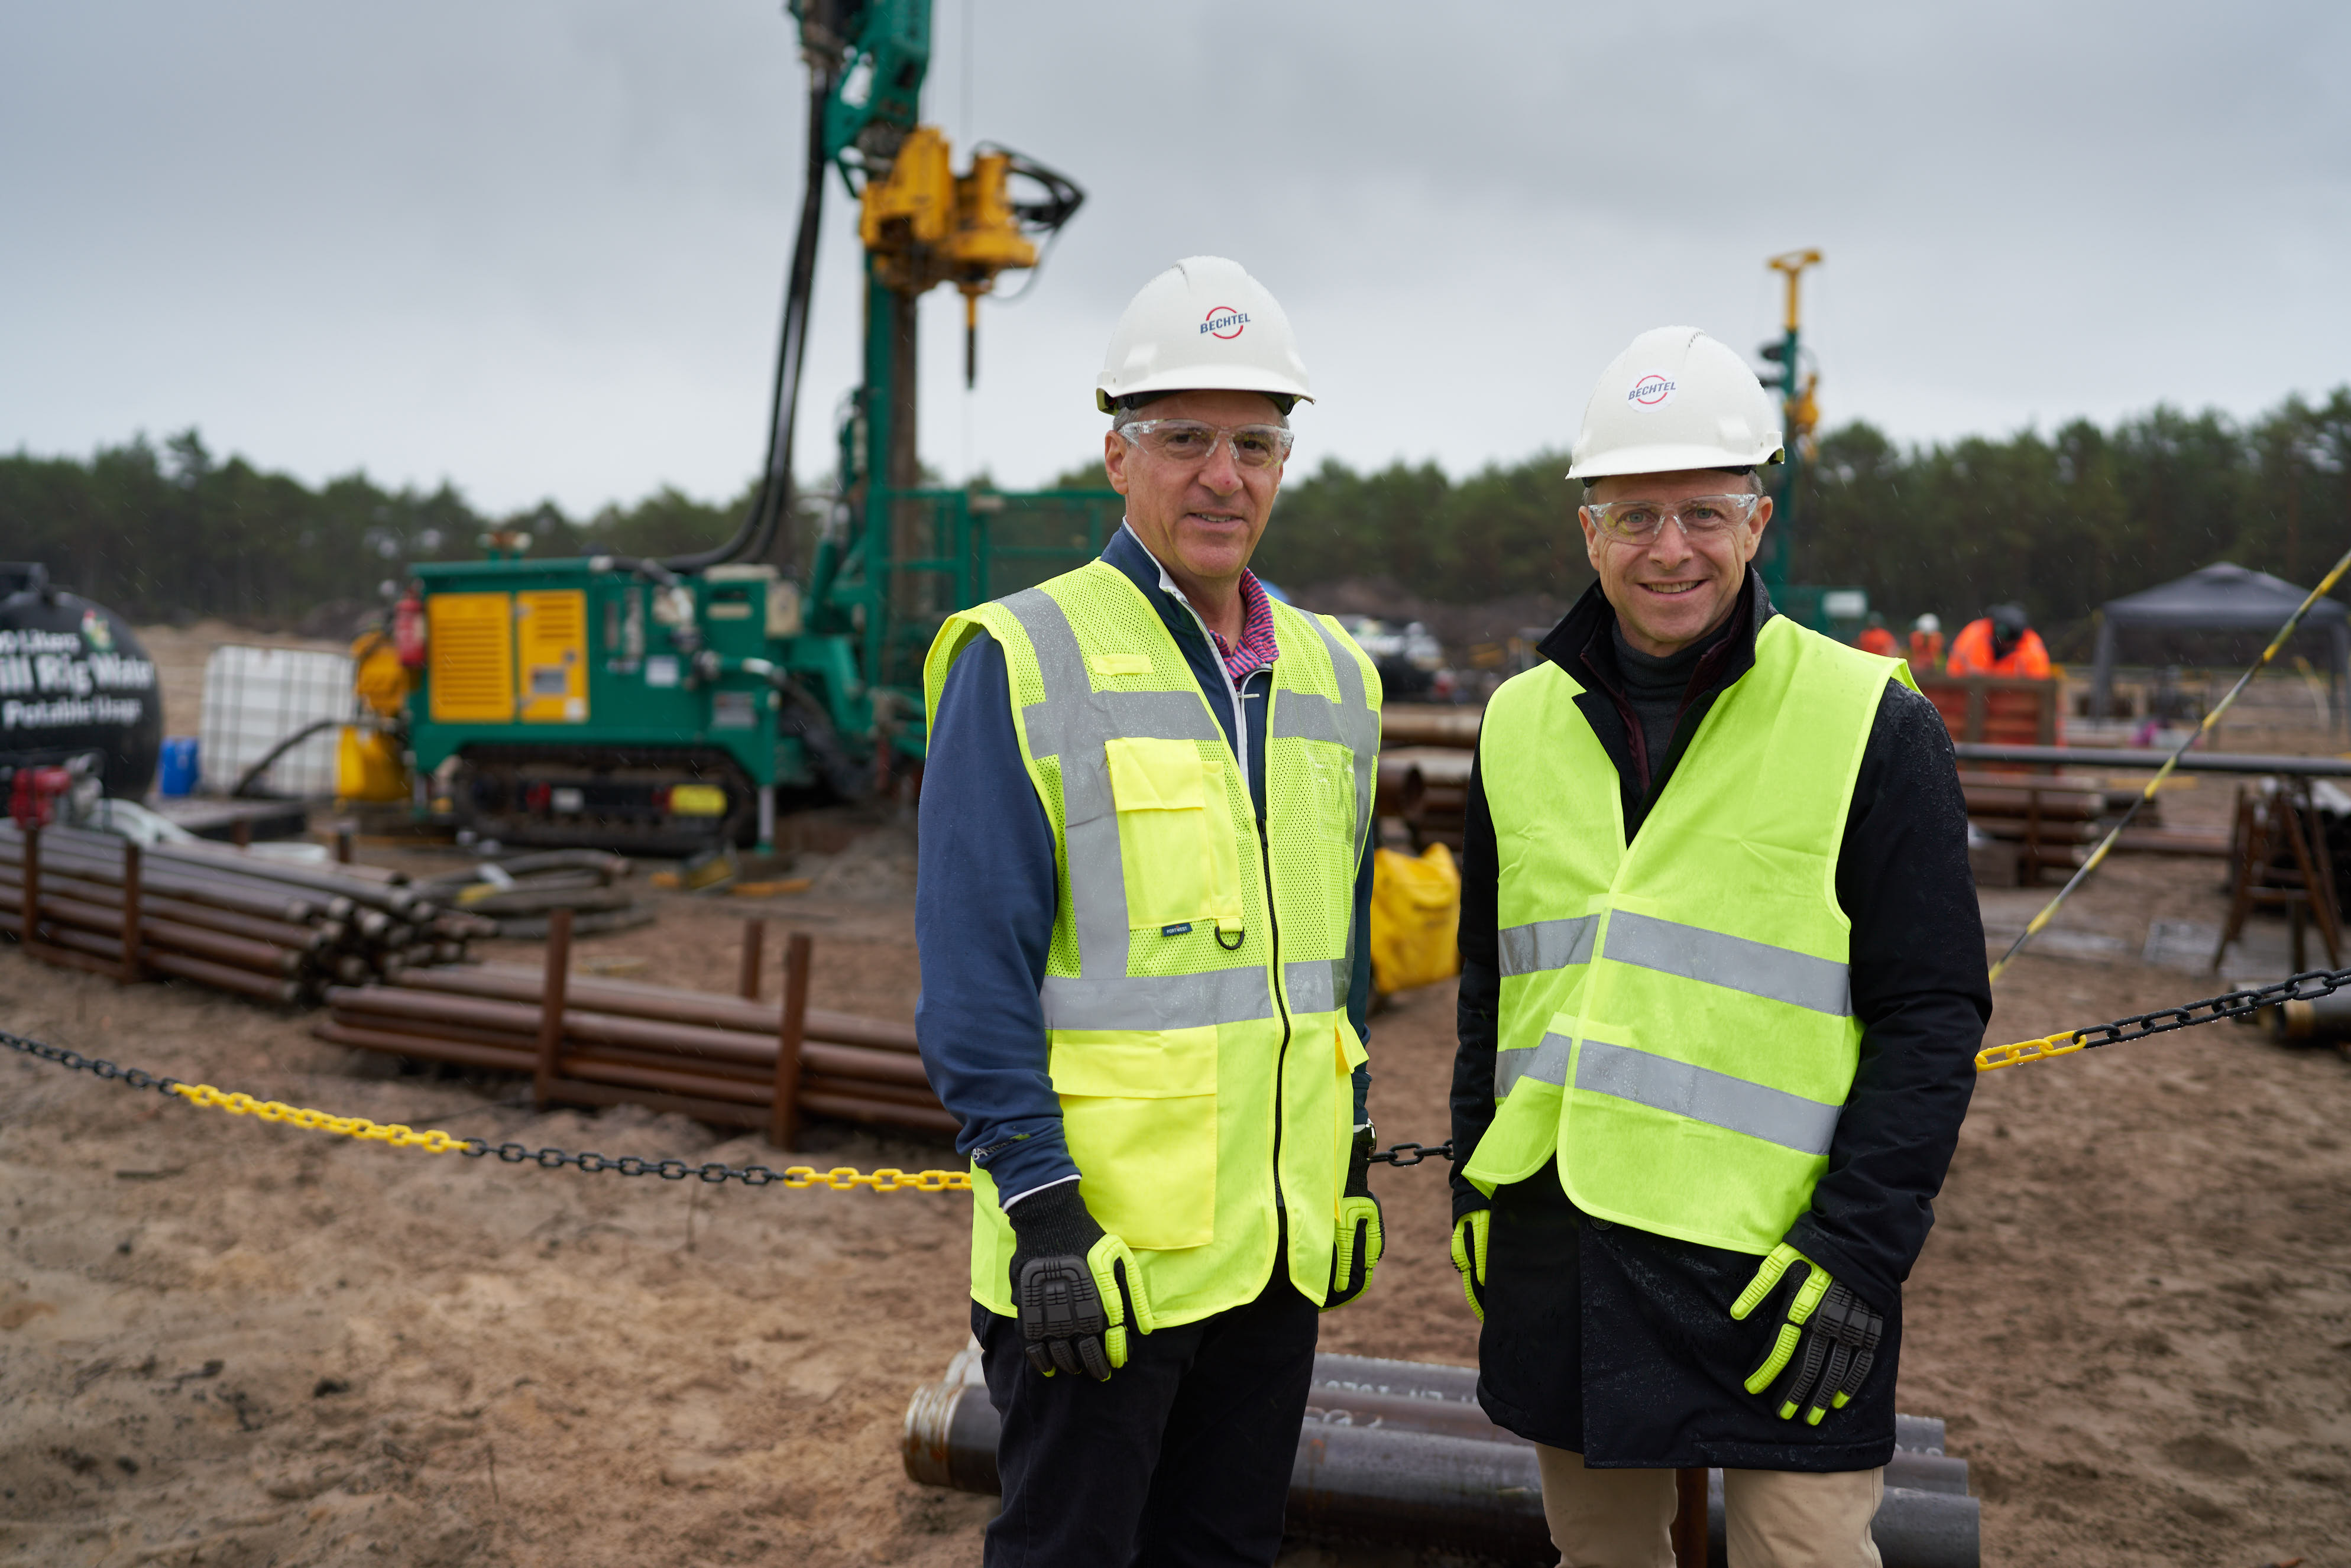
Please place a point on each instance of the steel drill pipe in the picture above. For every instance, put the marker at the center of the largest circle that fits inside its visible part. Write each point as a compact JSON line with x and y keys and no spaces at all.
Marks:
{"x":61,"y":915}
{"x":226,"y":893}
{"x":1343,"y":1406}
{"x":506,"y":982}
{"x":668,"y":1039}
{"x":247,"y":895}
{"x":216,"y":908}
{"x":1434,"y":1380}
{"x":1414,"y":1487}
{"x":2327,"y":1018}
{"x":832,"y":1099}
{"x":108,"y":895}
{"x":261,"y":958}
{"x":221,"y":976}
{"x":1416,"y":724}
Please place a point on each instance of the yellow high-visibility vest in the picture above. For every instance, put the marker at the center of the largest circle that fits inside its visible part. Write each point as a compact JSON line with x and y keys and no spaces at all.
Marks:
{"x":1197,"y":1038}
{"x":1676,"y":1020}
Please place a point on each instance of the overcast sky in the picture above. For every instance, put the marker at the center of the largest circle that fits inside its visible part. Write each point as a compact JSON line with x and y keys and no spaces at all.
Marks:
{"x":535,"y":247}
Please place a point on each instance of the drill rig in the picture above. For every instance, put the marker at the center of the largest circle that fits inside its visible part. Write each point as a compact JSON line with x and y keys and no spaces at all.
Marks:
{"x":675,"y":705}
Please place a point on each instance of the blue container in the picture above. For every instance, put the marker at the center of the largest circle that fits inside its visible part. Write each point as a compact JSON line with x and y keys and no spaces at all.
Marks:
{"x":177,"y":774}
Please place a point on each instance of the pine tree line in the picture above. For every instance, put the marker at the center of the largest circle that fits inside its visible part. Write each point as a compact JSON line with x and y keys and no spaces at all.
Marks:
{"x":2061,"y":521}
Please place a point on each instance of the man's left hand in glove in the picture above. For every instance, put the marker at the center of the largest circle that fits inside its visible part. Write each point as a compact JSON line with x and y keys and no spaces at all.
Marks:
{"x":1359,"y":1239}
{"x":1842,"y":1340}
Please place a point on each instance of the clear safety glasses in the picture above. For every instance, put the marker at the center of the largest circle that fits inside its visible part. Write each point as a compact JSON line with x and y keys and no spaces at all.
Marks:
{"x":1190,"y":441}
{"x":1701,"y":517}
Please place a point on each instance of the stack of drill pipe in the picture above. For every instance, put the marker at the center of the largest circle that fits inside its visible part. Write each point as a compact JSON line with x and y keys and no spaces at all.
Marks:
{"x":1427,"y":789}
{"x":1429,"y":724}
{"x":263,"y":927}
{"x":1400,"y":1454}
{"x":658,"y":1040}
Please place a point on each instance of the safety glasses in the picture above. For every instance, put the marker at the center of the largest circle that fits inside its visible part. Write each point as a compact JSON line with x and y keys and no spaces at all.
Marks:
{"x":1700,"y":516}
{"x":1190,"y":441}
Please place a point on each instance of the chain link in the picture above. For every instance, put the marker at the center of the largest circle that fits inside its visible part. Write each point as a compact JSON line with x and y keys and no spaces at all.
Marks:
{"x":2307,"y":987}
{"x":1403,"y":1155}
{"x":841,"y":1178}
{"x":74,"y":1062}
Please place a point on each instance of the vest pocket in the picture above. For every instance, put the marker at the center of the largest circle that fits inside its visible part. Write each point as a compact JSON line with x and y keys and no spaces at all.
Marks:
{"x":1139,"y":1110}
{"x":1176,"y":852}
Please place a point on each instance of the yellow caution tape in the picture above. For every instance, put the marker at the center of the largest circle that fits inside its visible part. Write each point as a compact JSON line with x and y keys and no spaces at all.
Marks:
{"x":2097,"y":856}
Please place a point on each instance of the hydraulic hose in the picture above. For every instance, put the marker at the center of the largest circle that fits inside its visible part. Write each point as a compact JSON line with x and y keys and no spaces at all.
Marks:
{"x":773,"y":501}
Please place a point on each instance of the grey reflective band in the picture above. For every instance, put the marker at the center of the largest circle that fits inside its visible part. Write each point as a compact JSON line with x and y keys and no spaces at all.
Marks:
{"x":1701,"y":1094}
{"x":1547,"y":944}
{"x":1307,"y":716}
{"x":1318,"y":985}
{"x":1357,"y":726}
{"x":1072,"y":723}
{"x":1545,"y":1063}
{"x":1758,"y":968}
{"x":1156,"y":1001}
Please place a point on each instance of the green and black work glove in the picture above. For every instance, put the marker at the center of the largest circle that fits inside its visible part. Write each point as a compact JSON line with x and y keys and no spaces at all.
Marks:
{"x":1074,"y":1286}
{"x":1361,"y":1240}
{"x":1470,"y":1234}
{"x":1842,"y":1340}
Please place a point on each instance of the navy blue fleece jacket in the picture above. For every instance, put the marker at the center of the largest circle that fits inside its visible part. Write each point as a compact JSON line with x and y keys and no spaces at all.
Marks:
{"x":985,"y":899}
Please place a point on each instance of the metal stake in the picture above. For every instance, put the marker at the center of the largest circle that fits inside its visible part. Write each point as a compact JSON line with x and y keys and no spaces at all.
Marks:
{"x":551,"y":1006}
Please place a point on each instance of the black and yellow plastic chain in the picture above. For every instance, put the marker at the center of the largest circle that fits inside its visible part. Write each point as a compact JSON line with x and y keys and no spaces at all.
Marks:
{"x":2307,"y":986}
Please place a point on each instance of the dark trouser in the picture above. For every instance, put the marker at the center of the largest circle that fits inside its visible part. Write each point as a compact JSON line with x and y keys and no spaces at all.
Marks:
{"x":1183,"y":1458}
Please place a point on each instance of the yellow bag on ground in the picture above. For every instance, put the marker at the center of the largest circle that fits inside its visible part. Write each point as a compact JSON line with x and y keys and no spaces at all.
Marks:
{"x":368,"y":766}
{"x":1416,"y":919}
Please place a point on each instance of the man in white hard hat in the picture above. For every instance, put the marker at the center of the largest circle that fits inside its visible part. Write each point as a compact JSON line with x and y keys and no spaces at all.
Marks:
{"x":1142,"y":906}
{"x":1722,"y":982}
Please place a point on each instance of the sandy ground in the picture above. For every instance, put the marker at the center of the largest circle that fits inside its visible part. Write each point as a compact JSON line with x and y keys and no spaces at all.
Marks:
{"x":231,"y":1344}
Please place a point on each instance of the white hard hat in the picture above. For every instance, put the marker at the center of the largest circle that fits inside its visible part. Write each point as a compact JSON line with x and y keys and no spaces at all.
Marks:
{"x":1675,"y":399}
{"x":1930,"y":622}
{"x":1203,"y":325}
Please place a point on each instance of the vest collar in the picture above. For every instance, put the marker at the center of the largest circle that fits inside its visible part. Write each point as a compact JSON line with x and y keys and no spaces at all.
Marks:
{"x":1582,"y":645}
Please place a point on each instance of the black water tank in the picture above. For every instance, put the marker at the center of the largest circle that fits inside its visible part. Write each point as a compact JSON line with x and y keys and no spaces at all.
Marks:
{"x":74,"y":681}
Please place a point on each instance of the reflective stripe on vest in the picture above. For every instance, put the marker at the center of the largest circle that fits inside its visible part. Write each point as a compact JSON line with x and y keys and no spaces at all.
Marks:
{"x":1756,"y":967}
{"x":1351,"y":722}
{"x":1548,"y":944}
{"x":1073,"y":724}
{"x":1662,"y":1083}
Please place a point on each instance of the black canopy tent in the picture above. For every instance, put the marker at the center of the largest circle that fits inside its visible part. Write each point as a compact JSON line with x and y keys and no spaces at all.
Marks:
{"x":2221,"y":598}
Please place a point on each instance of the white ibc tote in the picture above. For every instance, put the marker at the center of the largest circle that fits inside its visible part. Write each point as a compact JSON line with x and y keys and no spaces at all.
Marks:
{"x":256,"y":697}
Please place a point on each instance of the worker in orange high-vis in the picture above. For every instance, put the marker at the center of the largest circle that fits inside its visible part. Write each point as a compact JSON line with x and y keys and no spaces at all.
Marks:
{"x":1927,"y":645}
{"x":2002,"y":641}
{"x":1876,"y":639}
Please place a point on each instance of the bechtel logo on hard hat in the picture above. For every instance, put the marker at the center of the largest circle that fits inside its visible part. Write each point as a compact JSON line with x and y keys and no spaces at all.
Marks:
{"x":1652,"y":391}
{"x":1222,"y":318}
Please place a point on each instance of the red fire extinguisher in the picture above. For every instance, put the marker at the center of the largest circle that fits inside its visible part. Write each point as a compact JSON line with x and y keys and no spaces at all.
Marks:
{"x":407,"y":631}
{"x":34,"y":794}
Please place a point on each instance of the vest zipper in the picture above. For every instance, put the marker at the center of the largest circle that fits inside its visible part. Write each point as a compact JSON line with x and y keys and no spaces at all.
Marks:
{"x":1265,"y":881}
{"x":1280,"y":1007}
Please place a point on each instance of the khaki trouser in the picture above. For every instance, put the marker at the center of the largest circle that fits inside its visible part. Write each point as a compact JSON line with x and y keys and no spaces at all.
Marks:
{"x":1777,"y":1519}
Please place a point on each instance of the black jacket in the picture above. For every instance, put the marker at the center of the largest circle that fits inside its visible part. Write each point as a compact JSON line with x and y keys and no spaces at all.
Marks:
{"x":1920,"y":988}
